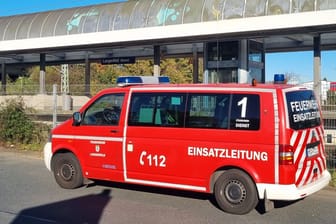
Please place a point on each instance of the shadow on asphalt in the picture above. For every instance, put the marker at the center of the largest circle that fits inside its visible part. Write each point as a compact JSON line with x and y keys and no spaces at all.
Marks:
{"x":276,"y":205}
{"x":260,"y":208}
{"x":89,"y":208}
{"x":85,"y":209}
{"x":151,"y":189}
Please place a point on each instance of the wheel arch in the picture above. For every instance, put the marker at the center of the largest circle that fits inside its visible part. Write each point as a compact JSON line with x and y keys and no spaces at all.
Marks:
{"x":217,"y":173}
{"x":62,"y":151}
{"x":67,"y":169}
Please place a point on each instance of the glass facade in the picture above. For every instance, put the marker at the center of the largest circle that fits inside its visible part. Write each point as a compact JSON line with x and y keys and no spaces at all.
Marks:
{"x":146,"y":13}
{"x":224,"y":61}
{"x":256,"y":61}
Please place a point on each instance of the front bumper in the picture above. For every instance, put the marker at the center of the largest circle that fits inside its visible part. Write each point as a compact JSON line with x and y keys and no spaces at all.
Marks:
{"x":47,"y":154}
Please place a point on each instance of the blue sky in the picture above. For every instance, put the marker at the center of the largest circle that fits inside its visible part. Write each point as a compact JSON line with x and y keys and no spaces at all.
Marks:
{"x":12,"y":7}
{"x":300,"y":64}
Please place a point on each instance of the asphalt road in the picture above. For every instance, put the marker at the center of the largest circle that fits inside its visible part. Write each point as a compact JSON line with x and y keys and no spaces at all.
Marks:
{"x":29,"y":194}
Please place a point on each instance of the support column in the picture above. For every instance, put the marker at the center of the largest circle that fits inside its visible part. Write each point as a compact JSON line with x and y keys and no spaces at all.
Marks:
{"x":3,"y":78}
{"x":87,"y":78}
{"x":157,"y":58}
{"x":195,"y":64}
{"x":42,"y":73}
{"x":317,"y":67}
{"x":205,"y":63}
{"x":263,"y":76}
{"x":243,"y":74}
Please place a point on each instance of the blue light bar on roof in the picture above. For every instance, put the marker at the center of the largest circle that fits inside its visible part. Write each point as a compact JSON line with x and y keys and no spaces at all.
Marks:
{"x":139,"y":80}
{"x":279,"y":79}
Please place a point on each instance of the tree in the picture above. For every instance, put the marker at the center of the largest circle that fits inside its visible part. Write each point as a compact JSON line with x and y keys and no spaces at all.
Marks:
{"x":179,"y":70}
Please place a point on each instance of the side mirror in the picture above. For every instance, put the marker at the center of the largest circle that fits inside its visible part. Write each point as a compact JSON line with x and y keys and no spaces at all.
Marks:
{"x":77,"y":119}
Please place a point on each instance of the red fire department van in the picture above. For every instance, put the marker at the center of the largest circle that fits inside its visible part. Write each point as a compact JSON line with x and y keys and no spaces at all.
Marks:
{"x":241,"y":142}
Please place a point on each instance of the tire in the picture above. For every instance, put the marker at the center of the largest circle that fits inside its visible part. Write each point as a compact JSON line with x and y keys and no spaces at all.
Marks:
{"x":67,"y":171}
{"x":235,"y":192}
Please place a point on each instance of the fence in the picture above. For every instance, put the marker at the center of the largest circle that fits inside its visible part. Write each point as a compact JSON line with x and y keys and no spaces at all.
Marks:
{"x":75,"y":90}
{"x":329,"y":119}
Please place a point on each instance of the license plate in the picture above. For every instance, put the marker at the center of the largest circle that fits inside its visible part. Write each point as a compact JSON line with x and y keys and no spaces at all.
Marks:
{"x":312,"y":149}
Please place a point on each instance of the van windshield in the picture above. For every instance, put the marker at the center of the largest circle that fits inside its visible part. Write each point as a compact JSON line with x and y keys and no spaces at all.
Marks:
{"x":303,"y":109}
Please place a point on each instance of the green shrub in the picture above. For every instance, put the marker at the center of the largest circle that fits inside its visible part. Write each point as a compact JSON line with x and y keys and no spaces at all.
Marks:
{"x":17,"y":127}
{"x":333,"y":178}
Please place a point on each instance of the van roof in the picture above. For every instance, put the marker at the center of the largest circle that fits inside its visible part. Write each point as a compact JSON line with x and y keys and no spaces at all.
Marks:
{"x":205,"y":86}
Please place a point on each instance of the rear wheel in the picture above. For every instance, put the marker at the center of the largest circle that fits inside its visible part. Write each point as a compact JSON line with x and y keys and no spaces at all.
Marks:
{"x":67,"y":171}
{"x":235,"y":192}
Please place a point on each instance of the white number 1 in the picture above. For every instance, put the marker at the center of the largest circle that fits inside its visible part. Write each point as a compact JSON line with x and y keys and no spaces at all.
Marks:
{"x":243,"y":103}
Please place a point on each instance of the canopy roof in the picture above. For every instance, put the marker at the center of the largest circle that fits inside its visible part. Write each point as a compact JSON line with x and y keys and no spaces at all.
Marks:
{"x":146,"y":13}
{"x":132,"y":28}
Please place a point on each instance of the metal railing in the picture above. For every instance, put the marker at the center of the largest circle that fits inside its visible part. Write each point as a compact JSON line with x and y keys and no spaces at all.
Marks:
{"x":328,"y":108}
{"x":331,"y":157}
{"x":75,"y":90}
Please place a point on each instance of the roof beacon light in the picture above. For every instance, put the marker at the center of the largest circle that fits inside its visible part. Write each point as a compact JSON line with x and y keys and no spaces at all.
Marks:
{"x":140,"y":80}
{"x":279,"y":79}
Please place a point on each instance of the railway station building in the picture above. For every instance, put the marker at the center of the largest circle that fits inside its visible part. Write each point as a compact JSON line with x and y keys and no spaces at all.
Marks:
{"x":232,"y":36}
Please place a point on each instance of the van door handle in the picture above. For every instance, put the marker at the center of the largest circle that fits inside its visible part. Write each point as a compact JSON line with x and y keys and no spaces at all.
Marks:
{"x":114,"y":131}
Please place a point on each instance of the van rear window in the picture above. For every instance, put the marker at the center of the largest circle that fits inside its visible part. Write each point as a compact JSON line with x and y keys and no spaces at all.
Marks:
{"x":223,"y":111}
{"x":303,"y":109}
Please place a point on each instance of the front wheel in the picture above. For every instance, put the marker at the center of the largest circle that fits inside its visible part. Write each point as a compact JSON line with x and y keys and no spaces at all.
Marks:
{"x":67,"y":171}
{"x":235,"y":192}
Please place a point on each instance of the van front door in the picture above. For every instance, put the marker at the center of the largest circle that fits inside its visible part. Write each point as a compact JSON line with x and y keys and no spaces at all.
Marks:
{"x":99,"y":135}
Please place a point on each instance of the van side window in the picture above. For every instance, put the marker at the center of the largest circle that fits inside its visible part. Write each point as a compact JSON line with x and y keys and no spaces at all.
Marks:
{"x":208,"y":111}
{"x":157,"y":109}
{"x":141,"y":109}
{"x":104,"y":111}
{"x":245,"y":112}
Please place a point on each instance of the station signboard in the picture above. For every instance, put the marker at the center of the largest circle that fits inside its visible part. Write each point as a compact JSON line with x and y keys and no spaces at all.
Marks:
{"x":118,"y":60}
